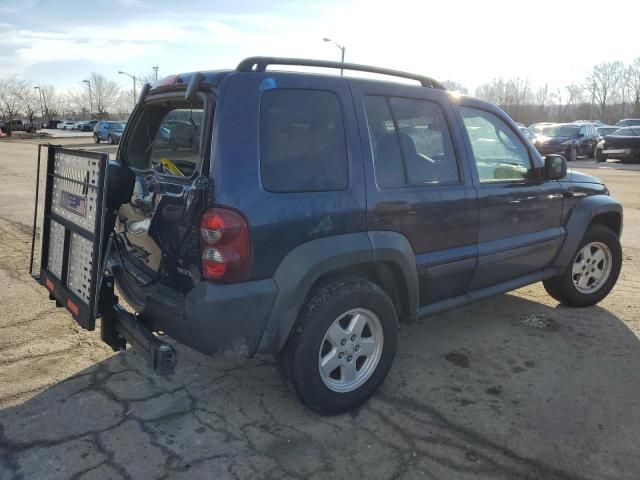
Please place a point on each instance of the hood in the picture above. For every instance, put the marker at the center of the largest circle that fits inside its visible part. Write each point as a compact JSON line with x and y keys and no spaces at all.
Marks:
{"x":575,"y":176}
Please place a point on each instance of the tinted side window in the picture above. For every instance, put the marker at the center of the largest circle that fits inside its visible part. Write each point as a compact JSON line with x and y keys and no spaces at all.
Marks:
{"x":498,"y":152}
{"x":302,"y":141}
{"x":410,"y":141}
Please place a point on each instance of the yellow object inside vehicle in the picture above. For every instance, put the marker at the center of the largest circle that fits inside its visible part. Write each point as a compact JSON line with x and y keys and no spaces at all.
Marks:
{"x":169,"y":165}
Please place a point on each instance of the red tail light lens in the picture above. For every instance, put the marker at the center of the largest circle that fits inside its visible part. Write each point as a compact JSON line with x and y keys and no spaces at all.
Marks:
{"x":224,"y":244}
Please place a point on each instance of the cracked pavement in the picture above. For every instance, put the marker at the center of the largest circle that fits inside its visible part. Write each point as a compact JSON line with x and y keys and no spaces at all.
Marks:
{"x":514,"y":387}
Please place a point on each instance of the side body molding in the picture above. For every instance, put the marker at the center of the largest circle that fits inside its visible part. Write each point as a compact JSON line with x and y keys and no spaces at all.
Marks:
{"x":581,"y":216}
{"x":305,"y":264}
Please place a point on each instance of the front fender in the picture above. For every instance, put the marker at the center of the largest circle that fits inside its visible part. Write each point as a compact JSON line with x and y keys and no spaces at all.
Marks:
{"x":579,"y":220}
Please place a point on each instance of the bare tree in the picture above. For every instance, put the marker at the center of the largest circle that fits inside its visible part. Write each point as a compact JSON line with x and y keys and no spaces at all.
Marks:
{"x":105,"y":93}
{"x":11,"y":93}
{"x":543,"y":97}
{"x":633,"y":80}
{"x":50,"y":101}
{"x":603,"y":84}
{"x":31,"y":103}
{"x":455,"y":86}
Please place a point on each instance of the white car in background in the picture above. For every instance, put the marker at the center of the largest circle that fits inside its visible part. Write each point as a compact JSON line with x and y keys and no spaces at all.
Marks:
{"x":67,"y":125}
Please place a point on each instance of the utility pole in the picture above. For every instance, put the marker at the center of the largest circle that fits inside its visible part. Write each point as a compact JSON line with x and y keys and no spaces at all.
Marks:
{"x":135,"y":97}
{"x":342,"y":49}
{"x":155,"y":69}
{"x":88,"y":82}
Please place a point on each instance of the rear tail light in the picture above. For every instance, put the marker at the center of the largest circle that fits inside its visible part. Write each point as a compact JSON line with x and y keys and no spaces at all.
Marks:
{"x":224,"y":245}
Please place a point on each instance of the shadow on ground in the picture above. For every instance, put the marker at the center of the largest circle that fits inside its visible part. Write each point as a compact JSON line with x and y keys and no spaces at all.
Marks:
{"x":505,"y":389}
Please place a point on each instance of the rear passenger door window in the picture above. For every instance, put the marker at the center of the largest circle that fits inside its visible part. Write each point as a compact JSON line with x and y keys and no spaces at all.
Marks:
{"x":302,"y":141}
{"x":411,"y":142}
{"x":498,"y":152}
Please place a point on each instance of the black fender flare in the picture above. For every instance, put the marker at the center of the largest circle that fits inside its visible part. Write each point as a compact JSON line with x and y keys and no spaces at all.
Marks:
{"x":581,"y":217}
{"x":305,"y":264}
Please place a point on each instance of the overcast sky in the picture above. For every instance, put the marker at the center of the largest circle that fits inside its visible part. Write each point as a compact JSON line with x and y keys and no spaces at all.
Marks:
{"x":60,"y":42}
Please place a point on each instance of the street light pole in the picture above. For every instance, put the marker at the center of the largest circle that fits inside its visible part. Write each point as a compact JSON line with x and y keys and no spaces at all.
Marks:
{"x":155,"y":69}
{"x":88,"y":82}
{"x":342,"y":50}
{"x":135,"y":96}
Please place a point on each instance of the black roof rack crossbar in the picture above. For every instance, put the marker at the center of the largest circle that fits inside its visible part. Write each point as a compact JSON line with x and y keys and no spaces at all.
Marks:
{"x":259,"y":64}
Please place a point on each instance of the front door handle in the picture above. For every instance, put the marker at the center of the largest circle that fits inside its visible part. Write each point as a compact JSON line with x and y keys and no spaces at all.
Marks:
{"x":392,"y":207}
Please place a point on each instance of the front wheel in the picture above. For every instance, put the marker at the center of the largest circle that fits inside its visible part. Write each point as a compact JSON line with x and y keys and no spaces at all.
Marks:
{"x":111,"y":140}
{"x":342,"y":346}
{"x":592,"y":273}
{"x":96,"y":138}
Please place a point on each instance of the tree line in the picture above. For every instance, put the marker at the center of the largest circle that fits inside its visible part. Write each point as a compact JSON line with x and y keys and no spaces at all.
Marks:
{"x":610,"y":92}
{"x":97,"y":98}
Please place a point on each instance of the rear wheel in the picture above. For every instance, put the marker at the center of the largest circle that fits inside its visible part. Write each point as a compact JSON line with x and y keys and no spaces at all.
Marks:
{"x":600,"y":157}
{"x":593,"y":271}
{"x":111,"y":140}
{"x":341,"y":347}
{"x":96,"y":138}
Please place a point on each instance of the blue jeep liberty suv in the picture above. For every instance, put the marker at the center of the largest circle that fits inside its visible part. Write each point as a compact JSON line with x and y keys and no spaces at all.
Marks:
{"x":311,"y":213}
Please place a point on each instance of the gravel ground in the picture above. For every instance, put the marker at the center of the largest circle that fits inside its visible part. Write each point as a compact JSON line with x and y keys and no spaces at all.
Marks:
{"x":512,"y":387}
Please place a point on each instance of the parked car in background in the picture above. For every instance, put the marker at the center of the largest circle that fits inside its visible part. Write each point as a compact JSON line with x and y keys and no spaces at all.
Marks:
{"x":17,"y":126}
{"x":537,"y":127}
{"x":86,"y":126}
{"x":605,"y":130}
{"x":623,"y":144}
{"x":181,"y":133}
{"x":568,"y":139}
{"x":108,"y":131}
{"x":628,"y":122}
{"x":66,"y":125}
{"x":592,"y":122}
{"x":527,"y":132}
{"x":51,"y":124}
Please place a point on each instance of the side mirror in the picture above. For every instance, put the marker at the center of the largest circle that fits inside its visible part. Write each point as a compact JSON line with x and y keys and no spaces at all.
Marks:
{"x":555,"y":167}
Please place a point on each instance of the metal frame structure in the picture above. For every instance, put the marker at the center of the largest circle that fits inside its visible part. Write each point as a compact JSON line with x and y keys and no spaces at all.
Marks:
{"x":260,"y":64}
{"x":83,"y":311}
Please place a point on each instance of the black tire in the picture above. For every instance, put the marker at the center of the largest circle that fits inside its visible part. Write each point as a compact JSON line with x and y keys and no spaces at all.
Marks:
{"x":111,"y":140}
{"x":573,"y":154}
{"x":562,"y":287}
{"x":299,"y":359}
{"x":96,"y":138}
{"x":600,"y":157}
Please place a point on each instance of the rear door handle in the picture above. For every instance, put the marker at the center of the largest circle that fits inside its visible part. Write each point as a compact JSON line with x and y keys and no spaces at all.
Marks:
{"x":392,"y":207}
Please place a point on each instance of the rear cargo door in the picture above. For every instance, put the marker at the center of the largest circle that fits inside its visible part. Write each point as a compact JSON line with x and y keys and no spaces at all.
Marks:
{"x":164,"y":145}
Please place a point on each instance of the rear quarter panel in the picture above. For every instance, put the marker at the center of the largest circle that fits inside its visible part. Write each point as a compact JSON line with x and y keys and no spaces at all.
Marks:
{"x":278,"y":222}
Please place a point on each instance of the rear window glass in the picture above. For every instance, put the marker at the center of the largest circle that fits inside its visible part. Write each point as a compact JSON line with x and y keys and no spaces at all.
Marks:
{"x":302,"y":141}
{"x":168,"y":137}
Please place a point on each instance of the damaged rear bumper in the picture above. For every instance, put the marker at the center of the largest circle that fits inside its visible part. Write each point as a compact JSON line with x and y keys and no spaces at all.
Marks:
{"x":211,"y":318}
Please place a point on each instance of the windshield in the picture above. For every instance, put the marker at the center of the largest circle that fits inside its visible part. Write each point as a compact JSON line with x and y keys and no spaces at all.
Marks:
{"x":560,"y":131}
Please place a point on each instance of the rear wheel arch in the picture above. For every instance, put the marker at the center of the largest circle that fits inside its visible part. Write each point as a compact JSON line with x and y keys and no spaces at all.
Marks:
{"x":314,"y":263}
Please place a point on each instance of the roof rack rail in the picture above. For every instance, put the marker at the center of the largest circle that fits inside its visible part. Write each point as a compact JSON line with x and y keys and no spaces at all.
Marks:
{"x":260,"y":64}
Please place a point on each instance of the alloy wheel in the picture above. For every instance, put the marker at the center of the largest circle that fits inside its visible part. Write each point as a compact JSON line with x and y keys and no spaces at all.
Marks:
{"x":350,"y":350}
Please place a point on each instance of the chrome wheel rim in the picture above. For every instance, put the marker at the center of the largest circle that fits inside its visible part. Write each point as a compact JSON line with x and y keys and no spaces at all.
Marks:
{"x":350,"y":350}
{"x":591,"y":267}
